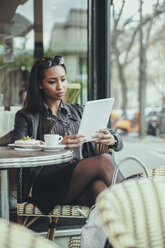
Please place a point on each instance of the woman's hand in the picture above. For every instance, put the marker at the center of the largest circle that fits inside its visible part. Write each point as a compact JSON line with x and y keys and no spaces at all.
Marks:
{"x":73,"y":141}
{"x":104,"y":137}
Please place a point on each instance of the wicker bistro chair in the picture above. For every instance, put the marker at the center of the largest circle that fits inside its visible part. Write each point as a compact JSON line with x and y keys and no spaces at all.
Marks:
{"x":13,"y":235}
{"x":72,"y":93}
{"x":28,"y":213}
{"x":132,"y":213}
{"x":156,"y":172}
{"x":74,"y":242}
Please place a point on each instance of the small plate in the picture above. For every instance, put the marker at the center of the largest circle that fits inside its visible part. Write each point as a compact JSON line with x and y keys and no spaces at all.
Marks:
{"x":52,"y":148}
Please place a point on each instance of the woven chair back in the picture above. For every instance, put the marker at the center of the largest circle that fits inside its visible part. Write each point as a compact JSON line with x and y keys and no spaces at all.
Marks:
{"x":13,"y":235}
{"x":132,"y":213}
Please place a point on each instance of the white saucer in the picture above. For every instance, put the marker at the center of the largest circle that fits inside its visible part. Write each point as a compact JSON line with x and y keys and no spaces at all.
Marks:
{"x":25,"y":147}
{"x":52,"y":148}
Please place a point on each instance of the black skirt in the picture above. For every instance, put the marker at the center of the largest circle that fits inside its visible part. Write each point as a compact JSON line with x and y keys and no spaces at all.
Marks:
{"x":51,"y":185}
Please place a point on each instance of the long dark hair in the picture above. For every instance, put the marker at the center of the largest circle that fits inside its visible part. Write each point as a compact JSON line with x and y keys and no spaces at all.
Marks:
{"x":34,"y":101}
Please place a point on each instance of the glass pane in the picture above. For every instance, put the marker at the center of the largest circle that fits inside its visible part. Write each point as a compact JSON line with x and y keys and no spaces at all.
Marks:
{"x":16,"y":48}
{"x":65,"y":33}
{"x":138,"y":71}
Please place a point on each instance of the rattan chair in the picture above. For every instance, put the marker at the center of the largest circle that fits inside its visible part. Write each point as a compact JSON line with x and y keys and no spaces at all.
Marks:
{"x":13,"y":235}
{"x":156,"y":172}
{"x":132,"y":213}
{"x":72,"y":92}
{"x":28,"y":213}
{"x":74,"y":242}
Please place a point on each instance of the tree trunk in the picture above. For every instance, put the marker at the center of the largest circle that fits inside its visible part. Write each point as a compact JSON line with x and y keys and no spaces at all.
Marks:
{"x":122,"y":83}
{"x":142,"y":79}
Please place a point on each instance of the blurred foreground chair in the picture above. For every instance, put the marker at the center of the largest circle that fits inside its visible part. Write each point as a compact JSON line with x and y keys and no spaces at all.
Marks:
{"x":132,"y":213}
{"x":13,"y":235}
{"x":118,"y":229}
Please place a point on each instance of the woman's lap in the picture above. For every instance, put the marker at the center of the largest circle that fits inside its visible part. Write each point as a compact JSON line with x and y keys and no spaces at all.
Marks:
{"x":51,"y":185}
{"x":69,"y":181}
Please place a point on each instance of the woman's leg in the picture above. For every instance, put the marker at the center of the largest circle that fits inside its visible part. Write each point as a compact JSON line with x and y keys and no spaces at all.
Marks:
{"x":88,"y":197}
{"x":90,"y":177}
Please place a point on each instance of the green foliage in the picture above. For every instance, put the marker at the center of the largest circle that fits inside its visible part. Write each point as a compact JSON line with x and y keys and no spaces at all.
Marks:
{"x":1,"y":40}
{"x":1,"y":61}
{"x":24,"y":60}
{"x":26,"y":138}
{"x":49,"y":53}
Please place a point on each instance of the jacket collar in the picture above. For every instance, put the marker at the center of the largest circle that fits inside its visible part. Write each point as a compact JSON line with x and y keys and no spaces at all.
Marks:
{"x":72,"y":113}
{"x":66,"y":108}
{"x":63,"y":107}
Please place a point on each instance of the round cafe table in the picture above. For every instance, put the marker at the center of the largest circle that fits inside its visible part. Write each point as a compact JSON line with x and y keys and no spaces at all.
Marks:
{"x":21,"y":158}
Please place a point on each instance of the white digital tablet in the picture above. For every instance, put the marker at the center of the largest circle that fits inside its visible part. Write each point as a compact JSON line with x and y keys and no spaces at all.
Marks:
{"x":95,"y":116}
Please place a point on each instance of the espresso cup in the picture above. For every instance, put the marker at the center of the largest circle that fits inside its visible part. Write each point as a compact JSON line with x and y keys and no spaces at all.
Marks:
{"x":52,"y":139}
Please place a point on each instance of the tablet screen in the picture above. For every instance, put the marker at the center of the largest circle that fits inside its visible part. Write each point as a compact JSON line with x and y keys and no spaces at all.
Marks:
{"x":95,"y":116}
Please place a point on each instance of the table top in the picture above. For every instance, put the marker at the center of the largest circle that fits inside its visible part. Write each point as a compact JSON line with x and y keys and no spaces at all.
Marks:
{"x":10,"y":158}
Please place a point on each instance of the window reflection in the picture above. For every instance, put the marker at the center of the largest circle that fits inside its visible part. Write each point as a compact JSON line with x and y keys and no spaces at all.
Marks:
{"x":68,"y":37}
{"x":138,"y":59}
{"x":64,"y":32}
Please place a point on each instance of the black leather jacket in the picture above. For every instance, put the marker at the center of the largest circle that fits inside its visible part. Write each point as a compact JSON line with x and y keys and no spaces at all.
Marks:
{"x":38,"y":124}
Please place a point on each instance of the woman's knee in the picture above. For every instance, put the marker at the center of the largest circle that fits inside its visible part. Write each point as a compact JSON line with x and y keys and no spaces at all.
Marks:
{"x":106,"y":165}
{"x":106,"y":159}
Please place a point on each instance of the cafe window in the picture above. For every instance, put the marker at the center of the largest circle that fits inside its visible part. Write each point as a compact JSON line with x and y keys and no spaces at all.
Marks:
{"x":63,"y":32}
{"x":137,"y":59}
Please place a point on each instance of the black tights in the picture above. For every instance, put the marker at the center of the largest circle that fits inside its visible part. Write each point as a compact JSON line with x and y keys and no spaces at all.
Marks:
{"x":89,"y":178}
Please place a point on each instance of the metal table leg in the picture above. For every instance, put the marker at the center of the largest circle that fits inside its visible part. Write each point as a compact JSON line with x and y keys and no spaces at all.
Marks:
{"x":4,"y":194}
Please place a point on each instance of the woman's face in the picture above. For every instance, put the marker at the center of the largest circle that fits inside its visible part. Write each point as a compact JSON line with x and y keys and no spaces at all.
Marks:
{"x":54,"y":84}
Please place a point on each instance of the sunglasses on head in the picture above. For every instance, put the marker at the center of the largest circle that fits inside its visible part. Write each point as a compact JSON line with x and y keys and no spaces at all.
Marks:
{"x":47,"y":62}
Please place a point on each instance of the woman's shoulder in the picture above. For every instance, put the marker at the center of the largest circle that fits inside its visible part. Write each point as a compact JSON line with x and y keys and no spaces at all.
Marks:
{"x":26,"y":114}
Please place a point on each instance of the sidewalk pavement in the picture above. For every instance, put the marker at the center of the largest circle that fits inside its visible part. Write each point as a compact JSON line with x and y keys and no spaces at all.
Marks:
{"x":145,"y":139}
